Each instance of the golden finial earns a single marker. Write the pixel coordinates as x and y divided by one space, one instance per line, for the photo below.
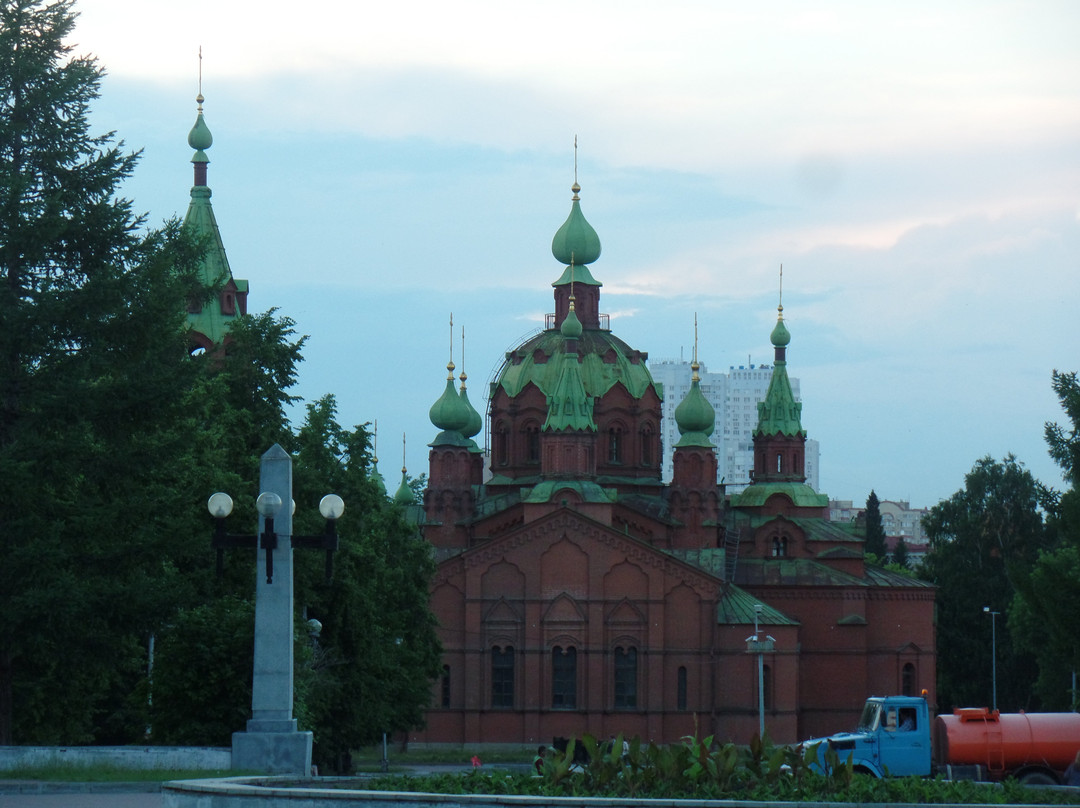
694 366
375 441
571 279
450 364
402 452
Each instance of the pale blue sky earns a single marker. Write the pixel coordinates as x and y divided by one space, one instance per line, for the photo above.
915 169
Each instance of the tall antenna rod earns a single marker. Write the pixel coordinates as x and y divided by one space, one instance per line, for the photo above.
780 308
575 159
402 452
463 375
450 364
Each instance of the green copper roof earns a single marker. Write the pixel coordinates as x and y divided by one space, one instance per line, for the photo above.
695 417
571 327
576 242
597 375
780 413
404 494
214 270
800 494
577 274
450 415
569 406
736 607
475 423
199 138
377 478
586 489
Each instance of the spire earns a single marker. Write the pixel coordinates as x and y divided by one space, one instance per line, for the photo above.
569 406
404 494
376 477
695 416
448 413
475 423
780 413
209 323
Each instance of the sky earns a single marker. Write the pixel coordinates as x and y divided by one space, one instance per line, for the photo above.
914 167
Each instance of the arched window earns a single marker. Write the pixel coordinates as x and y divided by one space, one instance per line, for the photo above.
563 678
680 694
779 462
907 680
532 444
625 678
445 686
779 547
614 445
502 446
502 676
646 438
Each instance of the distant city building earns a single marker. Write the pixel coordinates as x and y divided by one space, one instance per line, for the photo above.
734 397
900 520
843 510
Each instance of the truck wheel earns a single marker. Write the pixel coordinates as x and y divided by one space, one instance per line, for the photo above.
1038 779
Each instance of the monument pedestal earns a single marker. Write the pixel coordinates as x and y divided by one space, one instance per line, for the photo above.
274 747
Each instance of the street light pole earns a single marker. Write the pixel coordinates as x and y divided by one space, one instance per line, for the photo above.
993 650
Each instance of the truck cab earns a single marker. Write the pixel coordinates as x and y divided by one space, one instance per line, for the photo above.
892 738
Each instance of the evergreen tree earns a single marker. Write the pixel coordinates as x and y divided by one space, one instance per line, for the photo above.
900 554
92 364
875 532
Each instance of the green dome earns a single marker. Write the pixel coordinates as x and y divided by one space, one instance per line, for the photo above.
576 242
404 494
571 327
199 138
695 417
539 365
475 423
780 335
449 413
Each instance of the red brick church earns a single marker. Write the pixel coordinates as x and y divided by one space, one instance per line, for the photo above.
577 593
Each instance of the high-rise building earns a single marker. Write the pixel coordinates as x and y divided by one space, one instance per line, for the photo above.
734 397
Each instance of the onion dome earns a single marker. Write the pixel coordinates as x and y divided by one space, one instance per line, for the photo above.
475 423
576 242
780 336
449 414
695 416
571 327
404 494
377 477
199 138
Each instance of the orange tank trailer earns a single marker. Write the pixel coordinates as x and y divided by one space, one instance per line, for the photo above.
1005 743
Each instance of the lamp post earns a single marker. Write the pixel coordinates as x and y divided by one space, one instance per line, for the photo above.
756 645
272 741
993 650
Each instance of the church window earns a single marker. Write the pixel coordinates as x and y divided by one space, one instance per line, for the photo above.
779 462
563 678
779 546
532 444
502 446
907 680
614 445
502 676
625 678
646 447
445 700
680 693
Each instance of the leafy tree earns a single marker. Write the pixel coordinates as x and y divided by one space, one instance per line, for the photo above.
378 651
92 375
981 540
1044 619
875 532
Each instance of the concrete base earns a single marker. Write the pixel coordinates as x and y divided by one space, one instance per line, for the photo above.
272 752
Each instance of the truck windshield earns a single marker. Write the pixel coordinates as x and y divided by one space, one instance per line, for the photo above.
871 714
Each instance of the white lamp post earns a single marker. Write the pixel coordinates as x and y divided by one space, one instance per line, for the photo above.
993 650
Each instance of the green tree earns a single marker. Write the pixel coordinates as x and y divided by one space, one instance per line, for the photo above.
900 554
981 540
1044 618
93 371
378 651
875 532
